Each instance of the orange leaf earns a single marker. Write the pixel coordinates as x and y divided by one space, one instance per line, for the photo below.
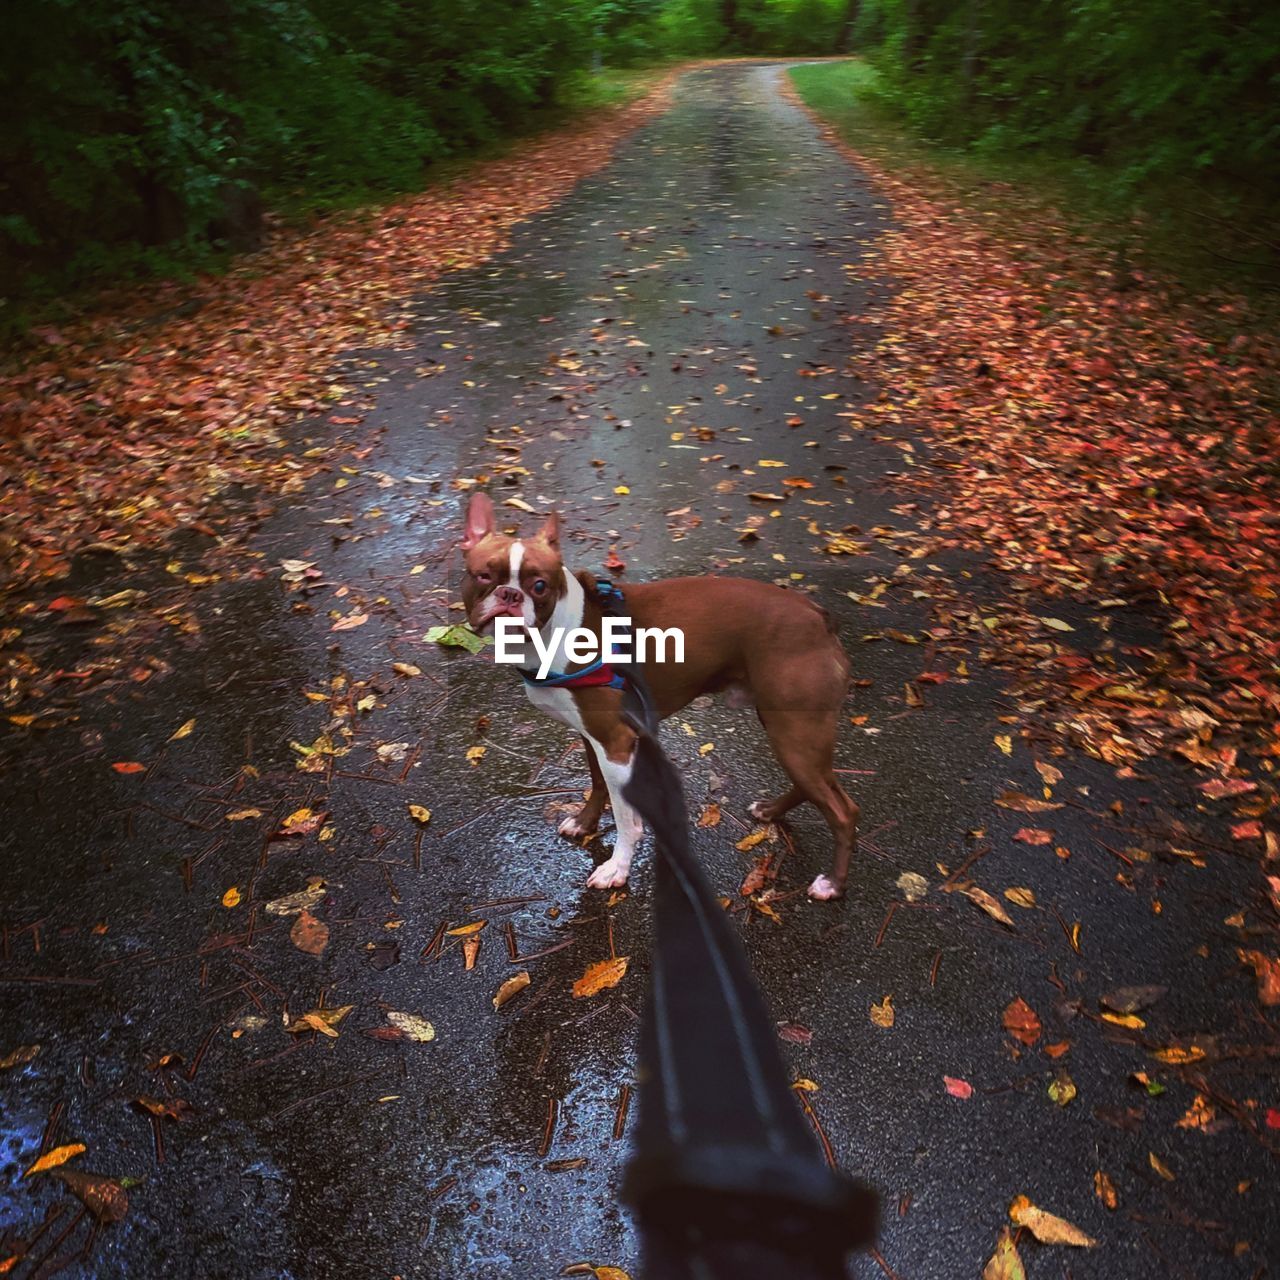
599 976
1021 1021
52 1159
309 934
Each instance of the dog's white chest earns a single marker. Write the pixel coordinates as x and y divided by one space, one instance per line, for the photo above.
556 703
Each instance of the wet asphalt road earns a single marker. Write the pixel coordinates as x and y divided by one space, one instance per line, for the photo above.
655 333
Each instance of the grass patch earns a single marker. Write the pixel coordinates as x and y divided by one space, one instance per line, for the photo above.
1186 233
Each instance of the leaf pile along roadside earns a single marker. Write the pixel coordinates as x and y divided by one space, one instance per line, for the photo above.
1109 443
124 425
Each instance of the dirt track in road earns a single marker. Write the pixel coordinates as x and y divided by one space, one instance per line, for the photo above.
666 342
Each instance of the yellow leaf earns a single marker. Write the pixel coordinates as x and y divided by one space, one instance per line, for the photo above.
412 1026
475 754
52 1159
749 842
882 1013
512 987
1124 1020
1021 897
1062 1089
1160 1167
622 489
601 975
1005 743
463 929
420 813
1057 624
182 732
243 815
1105 1190
770 462
322 1020
609 1273
1004 1264
231 898
1048 1228
706 746
805 1085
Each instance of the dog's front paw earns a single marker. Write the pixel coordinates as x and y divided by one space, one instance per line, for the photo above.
609 875
824 889
761 810
576 826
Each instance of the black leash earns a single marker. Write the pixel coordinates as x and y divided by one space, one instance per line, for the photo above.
726 1178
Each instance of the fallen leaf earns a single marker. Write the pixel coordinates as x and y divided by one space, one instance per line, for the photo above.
1160 1167
1033 835
1021 897
302 822
19 1057
1105 1190
983 899
350 621
464 929
183 731
1021 1022
470 952
1131 999
749 841
129 766
420 813
176 1109
290 904
1062 1089
243 815
1004 1264
958 1088
882 1013
1048 1228
913 886
1024 803
309 934
601 975
105 1198
512 987
475 755
52 1159
456 637
710 816
1177 1056
322 1020
411 1026
1267 971
231 898
794 1033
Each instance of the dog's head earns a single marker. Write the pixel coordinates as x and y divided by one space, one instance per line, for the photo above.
510 577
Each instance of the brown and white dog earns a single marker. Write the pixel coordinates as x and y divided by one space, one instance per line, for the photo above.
740 637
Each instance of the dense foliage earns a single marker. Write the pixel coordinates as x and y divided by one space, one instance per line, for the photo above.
148 133
1164 90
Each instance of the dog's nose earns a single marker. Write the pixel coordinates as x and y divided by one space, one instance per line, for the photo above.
509 595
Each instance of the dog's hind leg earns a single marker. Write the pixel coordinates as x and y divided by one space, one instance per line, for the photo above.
805 748
587 819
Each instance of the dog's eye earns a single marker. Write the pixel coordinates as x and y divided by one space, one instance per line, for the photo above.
483 578
539 586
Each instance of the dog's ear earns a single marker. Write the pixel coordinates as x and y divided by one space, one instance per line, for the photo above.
550 531
479 520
